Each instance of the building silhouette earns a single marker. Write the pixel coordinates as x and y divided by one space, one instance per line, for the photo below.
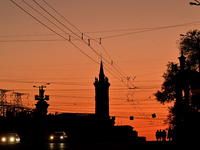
80 127
88 126
102 94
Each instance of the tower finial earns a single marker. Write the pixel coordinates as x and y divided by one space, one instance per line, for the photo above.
182 61
101 73
101 68
102 97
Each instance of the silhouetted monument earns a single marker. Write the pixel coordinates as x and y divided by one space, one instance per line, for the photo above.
42 105
182 100
41 112
102 95
79 127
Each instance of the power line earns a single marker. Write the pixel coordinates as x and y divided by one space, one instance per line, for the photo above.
102 46
38 20
68 21
146 74
65 27
74 32
45 18
112 63
56 33
55 18
151 29
73 43
146 29
122 30
62 16
8 41
64 37
52 30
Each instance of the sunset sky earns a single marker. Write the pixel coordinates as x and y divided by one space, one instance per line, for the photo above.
139 37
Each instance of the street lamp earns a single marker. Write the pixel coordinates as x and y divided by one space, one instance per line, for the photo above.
197 3
41 97
42 86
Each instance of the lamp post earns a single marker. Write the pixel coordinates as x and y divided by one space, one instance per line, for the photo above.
41 111
41 97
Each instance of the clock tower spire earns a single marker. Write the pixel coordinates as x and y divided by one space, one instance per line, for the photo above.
102 94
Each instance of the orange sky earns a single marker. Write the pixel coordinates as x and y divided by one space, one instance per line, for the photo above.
27 59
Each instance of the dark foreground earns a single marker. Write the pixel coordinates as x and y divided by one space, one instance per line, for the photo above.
94 146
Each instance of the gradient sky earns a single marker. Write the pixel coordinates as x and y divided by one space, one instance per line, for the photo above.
139 36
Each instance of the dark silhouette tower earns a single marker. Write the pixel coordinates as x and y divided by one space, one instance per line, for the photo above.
182 100
102 95
41 112
42 105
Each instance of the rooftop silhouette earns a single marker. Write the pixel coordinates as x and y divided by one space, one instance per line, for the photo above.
79 127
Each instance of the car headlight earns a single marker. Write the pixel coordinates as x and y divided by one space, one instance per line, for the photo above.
51 137
17 139
61 137
12 139
3 139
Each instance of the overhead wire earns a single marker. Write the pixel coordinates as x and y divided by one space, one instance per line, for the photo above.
79 31
112 63
8 41
67 20
122 30
78 36
37 20
58 20
62 16
140 112
60 36
52 30
151 29
64 37
66 27
46 18
55 18
146 29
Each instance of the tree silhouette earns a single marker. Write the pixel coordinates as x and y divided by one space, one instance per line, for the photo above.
167 93
190 45
185 114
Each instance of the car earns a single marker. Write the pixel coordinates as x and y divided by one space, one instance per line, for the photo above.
10 138
59 136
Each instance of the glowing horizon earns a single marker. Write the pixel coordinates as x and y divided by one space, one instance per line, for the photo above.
139 36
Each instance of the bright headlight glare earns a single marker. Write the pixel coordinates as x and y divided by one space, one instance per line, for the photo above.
3 139
18 139
61 137
51 137
12 139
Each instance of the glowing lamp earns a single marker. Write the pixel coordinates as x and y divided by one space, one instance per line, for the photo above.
3 139
12 139
18 139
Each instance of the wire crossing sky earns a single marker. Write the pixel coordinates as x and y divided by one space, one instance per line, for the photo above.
100 56
63 43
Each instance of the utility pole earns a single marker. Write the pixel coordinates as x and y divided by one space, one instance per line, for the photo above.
3 101
41 111
42 105
18 99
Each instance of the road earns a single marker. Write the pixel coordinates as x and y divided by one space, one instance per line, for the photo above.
89 146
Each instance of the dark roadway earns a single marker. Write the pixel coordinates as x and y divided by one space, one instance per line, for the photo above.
91 146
